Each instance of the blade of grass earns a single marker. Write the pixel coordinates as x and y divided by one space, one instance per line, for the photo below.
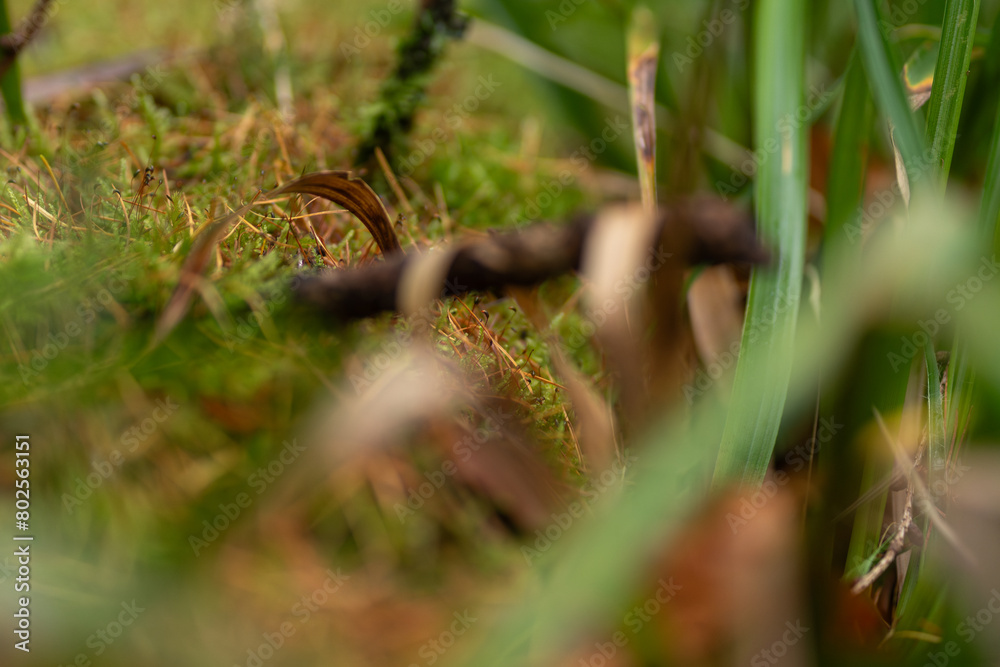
884 76
961 375
764 366
849 160
845 196
571 75
958 34
883 69
989 211
882 389
938 444
10 82
981 96
643 57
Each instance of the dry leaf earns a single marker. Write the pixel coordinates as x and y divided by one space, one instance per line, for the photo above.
340 187
620 256
716 308
737 565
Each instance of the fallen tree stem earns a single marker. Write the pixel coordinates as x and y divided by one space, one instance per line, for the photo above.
696 232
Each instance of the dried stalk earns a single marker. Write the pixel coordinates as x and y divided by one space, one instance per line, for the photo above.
693 232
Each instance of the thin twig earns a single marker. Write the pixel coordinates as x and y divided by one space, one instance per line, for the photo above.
923 495
698 231
895 546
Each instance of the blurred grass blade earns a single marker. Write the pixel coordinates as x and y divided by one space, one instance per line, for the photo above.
845 196
545 63
944 110
915 607
849 160
10 82
340 187
764 366
591 84
937 450
643 57
958 33
989 212
961 375
961 384
912 159
882 68
881 388
945 105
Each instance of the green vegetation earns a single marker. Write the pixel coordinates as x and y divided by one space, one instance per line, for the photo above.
534 477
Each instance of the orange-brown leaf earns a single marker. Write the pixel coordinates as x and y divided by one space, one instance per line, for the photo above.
340 187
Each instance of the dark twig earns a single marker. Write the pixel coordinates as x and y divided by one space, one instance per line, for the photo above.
700 231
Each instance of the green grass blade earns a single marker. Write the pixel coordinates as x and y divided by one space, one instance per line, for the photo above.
883 388
958 34
921 599
845 195
961 376
961 383
884 76
883 71
849 160
10 83
989 212
981 95
764 366
937 450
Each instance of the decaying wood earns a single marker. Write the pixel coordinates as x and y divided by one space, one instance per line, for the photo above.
693 232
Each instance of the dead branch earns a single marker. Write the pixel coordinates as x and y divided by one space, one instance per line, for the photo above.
693 232
895 546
